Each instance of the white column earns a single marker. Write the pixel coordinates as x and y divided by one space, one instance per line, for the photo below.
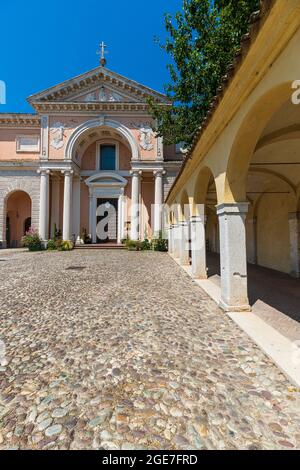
67 218
44 205
123 233
294 227
55 200
198 241
234 281
184 244
94 219
176 240
135 204
121 218
159 199
171 234
76 207
90 212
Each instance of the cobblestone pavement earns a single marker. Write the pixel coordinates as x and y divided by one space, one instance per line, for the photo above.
125 352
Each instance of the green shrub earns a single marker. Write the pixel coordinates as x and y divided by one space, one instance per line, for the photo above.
160 244
32 240
51 245
145 245
131 245
67 245
58 244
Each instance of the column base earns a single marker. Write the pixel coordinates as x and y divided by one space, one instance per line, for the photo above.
3 245
184 263
45 244
200 277
236 308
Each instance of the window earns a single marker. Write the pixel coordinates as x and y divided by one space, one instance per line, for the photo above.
108 157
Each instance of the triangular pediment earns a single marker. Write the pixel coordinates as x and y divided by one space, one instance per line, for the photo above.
103 94
98 86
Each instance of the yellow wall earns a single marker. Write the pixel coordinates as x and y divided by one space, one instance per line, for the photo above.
273 232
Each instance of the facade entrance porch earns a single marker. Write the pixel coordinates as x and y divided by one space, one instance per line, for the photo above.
106 207
91 140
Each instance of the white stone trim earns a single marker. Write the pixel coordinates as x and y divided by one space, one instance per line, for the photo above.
44 137
30 149
110 190
96 123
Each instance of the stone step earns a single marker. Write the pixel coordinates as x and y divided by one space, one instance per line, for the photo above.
103 246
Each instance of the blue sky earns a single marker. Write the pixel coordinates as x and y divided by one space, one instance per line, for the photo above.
45 43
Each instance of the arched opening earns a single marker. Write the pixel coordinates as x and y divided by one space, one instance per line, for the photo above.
18 218
184 206
106 147
264 169
97 130
205 202
247 139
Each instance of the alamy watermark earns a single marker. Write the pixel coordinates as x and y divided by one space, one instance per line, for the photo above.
296 94
2 92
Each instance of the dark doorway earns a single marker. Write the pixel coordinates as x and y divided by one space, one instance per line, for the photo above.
27 225
107 220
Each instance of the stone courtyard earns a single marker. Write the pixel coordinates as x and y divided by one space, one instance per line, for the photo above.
121 350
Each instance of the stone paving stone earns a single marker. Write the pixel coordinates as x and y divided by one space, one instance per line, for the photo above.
129 353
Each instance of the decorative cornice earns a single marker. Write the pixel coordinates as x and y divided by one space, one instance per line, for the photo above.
55 106
19 120
98 76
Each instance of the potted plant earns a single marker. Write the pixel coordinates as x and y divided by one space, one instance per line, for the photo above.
32 240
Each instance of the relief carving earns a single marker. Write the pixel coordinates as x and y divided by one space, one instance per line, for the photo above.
58 134
103 95
146 135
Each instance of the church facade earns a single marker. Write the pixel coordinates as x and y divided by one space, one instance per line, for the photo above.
87 164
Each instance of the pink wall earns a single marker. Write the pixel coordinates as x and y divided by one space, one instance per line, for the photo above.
71 123
88 161
8 144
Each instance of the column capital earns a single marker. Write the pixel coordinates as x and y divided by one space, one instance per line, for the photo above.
44 172
234 208
159 173
194 219
67 172
136 172
183 223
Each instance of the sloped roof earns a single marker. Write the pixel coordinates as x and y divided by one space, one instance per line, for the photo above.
69 90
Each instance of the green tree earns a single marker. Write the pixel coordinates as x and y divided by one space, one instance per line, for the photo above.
202 41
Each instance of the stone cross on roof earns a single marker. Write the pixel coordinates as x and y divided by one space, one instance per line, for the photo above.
102 53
